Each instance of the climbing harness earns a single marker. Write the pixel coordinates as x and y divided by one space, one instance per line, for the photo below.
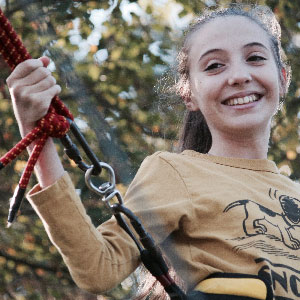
57 123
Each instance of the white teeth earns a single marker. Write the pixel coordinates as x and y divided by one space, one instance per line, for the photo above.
239 101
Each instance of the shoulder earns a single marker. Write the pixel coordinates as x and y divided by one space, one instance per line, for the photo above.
164 167
160 162
185 162
174 168
171 158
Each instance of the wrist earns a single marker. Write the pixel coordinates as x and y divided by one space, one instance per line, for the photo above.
48 168
26 128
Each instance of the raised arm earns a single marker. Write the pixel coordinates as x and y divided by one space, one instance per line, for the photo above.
97 259
32 87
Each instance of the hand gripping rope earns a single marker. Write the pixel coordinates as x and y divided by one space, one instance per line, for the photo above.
54 124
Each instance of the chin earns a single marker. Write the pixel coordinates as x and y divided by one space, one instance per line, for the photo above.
247 129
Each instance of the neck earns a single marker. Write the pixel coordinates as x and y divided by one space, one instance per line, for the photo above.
251 146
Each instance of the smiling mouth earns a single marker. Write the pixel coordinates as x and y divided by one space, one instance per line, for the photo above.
242 100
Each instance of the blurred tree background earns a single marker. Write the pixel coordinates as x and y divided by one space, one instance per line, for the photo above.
110 56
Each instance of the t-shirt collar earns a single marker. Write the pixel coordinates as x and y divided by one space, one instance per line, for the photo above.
242 163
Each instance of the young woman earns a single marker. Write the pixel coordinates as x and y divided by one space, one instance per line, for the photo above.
218 207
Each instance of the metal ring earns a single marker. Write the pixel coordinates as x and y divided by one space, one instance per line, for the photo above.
113 194
110 186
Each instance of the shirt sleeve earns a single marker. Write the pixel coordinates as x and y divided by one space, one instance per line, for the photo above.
99 258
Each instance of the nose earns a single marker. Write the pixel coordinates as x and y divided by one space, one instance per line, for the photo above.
239 75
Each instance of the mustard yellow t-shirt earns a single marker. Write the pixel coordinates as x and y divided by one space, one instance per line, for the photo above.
209 214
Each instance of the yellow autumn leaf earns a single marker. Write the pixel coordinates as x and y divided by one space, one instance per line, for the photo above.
21 269
93 48
9 121
4 106
116 54
52 249
28 246
20 165
11 251
291 155
23 219
94 72
61 43
2 260
8 277
11 264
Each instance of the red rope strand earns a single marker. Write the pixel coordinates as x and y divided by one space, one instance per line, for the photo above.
54 124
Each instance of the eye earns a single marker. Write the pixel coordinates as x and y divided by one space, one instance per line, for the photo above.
256 58
213 66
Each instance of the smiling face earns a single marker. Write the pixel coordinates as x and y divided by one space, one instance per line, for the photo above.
234 79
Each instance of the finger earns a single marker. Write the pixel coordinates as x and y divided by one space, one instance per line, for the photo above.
45 60
35 76
25 68
40 102
42 85
49 93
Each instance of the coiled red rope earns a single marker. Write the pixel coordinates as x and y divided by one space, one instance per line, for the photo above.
54 124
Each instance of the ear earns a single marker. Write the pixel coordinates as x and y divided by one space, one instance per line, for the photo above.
191 103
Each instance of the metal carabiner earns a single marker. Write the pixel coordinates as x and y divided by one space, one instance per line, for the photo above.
114 193
107 190
106 187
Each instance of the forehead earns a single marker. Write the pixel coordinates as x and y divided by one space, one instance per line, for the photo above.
228 32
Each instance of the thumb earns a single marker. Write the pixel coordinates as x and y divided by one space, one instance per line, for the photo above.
45 60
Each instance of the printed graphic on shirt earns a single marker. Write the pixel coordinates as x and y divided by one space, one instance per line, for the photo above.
260 220
285 280
274 230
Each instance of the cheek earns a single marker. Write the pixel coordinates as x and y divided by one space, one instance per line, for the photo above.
270 80
203 87
274 87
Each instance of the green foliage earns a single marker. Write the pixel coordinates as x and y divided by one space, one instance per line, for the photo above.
124 118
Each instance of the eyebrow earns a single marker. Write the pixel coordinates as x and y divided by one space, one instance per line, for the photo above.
255 44
221 50
210 51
